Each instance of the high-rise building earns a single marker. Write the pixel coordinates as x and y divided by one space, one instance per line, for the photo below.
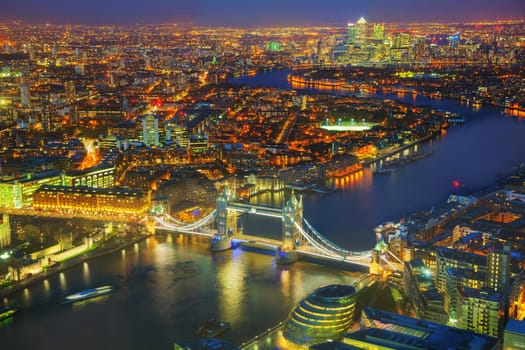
361 31
24 95
458 277
451 258
5 231
150 130
80 69
498 268
379 34
351 33
481 311
420 288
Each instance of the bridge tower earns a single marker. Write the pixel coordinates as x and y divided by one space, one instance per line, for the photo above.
292 222
226 223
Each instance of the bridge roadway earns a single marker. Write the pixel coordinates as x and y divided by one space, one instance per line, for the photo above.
257 241
255 209
240 239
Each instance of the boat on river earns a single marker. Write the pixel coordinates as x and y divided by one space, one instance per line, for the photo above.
7 312
382 171
213 328
88 294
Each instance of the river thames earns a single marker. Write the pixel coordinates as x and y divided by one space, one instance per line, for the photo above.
169 285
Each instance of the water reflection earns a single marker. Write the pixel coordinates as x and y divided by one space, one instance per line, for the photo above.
231 279
26 297
285 282
47 289
81 305
63 283
349 182
173 289
85 274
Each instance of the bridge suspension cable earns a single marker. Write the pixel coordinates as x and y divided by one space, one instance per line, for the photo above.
328 248
325 241
179 225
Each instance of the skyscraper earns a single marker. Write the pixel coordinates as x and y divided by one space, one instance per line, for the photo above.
498 268
360 31
379 34
351 33
24 95
150 130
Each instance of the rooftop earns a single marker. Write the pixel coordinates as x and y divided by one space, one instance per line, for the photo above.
401 332
515 326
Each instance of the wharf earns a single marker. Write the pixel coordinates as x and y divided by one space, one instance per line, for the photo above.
68 264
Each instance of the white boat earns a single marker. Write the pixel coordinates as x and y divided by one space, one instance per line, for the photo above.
88 293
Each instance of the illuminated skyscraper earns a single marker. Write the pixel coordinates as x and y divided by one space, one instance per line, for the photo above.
351 33
379 34
360 31
498 268
150 130
453 40
24 95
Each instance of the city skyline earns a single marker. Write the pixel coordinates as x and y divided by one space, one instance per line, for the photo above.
270 13
246 176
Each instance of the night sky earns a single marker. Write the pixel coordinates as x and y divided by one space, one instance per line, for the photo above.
256 12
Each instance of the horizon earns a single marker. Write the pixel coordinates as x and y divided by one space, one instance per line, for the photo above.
486 21
272 13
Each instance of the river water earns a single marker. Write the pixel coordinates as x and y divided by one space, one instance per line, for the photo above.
169 285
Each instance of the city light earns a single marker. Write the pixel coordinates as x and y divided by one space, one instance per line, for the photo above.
222 178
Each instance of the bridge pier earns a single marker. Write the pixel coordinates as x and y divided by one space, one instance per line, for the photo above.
286 257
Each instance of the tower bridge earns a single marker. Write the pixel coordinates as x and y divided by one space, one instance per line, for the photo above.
298 236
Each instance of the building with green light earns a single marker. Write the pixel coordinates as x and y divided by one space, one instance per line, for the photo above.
18 193
5 231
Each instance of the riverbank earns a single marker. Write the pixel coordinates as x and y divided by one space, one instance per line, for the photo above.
397 150
104 249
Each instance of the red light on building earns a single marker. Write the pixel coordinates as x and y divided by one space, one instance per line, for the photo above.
157 102
456 183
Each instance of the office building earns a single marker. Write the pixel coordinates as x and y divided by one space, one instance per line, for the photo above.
5 231
498 268
452 258
118 203
325 314
456 277
351 33
24 96
481 311
381 330
150 130
419 286
18 193
378 37
100 176
361 32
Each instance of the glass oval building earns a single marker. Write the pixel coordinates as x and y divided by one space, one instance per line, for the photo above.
326 314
